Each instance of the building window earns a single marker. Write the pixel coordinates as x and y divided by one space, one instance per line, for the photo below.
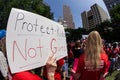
91 17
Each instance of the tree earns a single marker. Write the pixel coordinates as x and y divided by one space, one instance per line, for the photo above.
35 6
115 16
74 34
105 29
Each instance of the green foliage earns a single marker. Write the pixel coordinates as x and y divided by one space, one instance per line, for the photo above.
74 34
105 30
35 6
115 13
115 16
112 76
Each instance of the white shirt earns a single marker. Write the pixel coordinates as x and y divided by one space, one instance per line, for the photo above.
3 65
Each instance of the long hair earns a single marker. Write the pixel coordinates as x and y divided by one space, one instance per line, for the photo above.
93 49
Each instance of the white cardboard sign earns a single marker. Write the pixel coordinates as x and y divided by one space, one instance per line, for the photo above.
31 39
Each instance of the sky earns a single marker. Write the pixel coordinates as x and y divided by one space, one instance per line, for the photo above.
76 7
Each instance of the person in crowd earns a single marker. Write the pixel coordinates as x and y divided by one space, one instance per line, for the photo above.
108 49
51 66
4 69
118 60
27 75
77 51
93 63
70 54
114 58
3 66
119 47
65 69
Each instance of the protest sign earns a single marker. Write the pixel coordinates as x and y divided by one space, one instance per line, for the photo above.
84 36
30 40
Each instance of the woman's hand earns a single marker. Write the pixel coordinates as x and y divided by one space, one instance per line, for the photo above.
51 66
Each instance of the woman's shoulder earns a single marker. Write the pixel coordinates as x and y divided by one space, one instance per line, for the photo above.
104 56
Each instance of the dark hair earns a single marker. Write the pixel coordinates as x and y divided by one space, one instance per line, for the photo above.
114 45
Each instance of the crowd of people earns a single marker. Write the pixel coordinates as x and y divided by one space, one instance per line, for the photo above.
91 58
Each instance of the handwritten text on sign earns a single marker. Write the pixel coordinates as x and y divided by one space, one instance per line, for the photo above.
30 40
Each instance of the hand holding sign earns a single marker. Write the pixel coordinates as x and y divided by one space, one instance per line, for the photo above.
34 37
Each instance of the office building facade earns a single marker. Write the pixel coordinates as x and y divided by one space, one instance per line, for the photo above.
110 3
67 17
93 17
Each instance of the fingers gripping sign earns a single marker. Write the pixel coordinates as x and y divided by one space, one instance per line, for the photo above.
51 63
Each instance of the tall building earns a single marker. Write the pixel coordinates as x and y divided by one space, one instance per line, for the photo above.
85 20
93 17
67 17
110 3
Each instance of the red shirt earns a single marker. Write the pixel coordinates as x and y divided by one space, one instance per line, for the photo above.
114 52
25 75
87 73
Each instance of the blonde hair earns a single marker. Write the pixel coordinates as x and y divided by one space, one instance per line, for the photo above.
93 49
